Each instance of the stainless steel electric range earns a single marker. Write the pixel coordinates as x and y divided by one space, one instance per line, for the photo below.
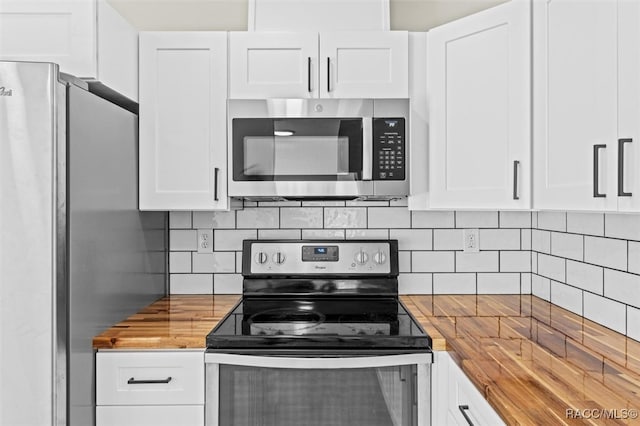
319 338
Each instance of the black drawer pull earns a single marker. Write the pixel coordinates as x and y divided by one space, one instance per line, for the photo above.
463 409
133 381
621 192
596 170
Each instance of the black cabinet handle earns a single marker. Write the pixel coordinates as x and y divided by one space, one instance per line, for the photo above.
596 170
309 74
463 409
133 381
516 165
621 192
215 184
328 74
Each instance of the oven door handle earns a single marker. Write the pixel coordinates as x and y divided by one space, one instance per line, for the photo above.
318 363
367 148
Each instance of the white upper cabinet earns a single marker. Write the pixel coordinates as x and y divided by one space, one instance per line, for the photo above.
586 105
183 92
479 106
88 39
372 64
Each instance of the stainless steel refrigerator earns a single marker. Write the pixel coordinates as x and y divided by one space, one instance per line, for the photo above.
76 255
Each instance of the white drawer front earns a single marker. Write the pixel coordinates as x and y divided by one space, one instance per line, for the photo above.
166 415
176 378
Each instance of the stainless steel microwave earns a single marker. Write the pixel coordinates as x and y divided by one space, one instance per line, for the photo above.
323 148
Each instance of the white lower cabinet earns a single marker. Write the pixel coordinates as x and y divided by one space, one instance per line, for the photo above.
150 388
455 396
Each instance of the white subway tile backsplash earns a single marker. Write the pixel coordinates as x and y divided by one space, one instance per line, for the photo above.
215 220
183 240
585 223
415 284
239 262
633 322
606 252
499 239
541 287
585 276
404 261
484 261
454 283
466 219
213 262
534 262
525 239
279 234
634 257
552 221
515 261
432 219
448 239
301 217
495 283
551 267
231 239
389 217
412 239
346 217
541 241
180 261
179 220
227 284
567 245
367 234
622 286
525 283
253 217
426 261
509 219
605 311
191 284
323 234
625 226
567 297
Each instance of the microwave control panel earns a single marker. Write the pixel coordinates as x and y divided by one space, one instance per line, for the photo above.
388 149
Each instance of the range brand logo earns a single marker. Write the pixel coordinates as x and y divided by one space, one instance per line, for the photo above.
6 92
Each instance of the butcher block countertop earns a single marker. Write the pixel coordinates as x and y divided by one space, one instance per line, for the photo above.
531 360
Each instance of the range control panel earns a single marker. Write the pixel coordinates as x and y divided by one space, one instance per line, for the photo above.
322 257
388 149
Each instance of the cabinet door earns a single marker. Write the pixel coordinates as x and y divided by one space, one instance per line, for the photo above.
165 415
371 64
62 32
478 82
629 105
273 65
575 104
183 90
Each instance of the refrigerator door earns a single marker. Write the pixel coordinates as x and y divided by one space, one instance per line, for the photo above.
27 241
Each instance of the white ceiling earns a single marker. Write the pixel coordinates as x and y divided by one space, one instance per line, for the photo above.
231 15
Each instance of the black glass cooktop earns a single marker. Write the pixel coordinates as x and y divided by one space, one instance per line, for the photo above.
380 323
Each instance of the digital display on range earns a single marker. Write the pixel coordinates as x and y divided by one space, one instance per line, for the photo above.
320 253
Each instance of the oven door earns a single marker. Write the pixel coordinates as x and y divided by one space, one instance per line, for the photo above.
389 390
292 148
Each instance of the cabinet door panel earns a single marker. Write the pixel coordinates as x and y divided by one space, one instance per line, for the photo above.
273 65
575 103
364 65
478 82
183 121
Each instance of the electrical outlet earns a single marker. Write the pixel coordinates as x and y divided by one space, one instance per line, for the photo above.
471 240
205 240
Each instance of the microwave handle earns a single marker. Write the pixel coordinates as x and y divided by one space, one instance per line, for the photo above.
367 148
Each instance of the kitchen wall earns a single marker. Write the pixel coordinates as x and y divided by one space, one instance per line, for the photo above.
589 263
430 243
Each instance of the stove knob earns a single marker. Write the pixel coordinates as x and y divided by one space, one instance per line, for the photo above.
361 257
380 257
279 258
261 258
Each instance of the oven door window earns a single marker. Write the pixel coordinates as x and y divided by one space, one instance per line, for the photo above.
297 149
379 396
